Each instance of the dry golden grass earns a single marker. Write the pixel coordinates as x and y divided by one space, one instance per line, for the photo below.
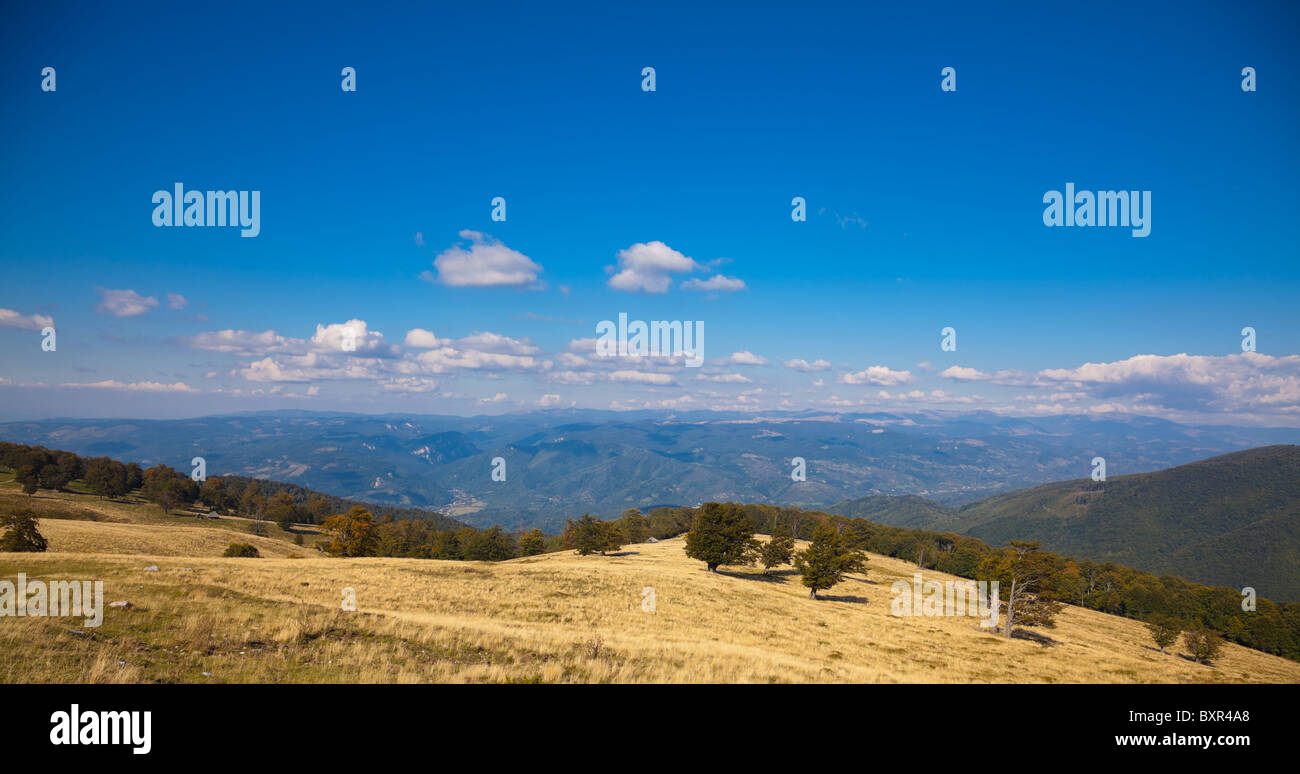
552 618
82 537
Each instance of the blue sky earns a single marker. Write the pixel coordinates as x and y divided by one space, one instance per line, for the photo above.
924 207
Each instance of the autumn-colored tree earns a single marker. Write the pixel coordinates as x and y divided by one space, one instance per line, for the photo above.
532 542
1022 573
351 534
721 534
778 550
828 559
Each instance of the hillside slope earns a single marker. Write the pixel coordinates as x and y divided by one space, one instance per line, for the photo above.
1232 520
551 618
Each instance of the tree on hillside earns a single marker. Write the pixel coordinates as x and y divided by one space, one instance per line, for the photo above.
778 550
106 477
532 543
20 532
214 495
1022 573
280 509
351 534
1164 630
721 534
163 486
828 559
590 535
636 526
251 503
134 476
28 479
1203 643
490 545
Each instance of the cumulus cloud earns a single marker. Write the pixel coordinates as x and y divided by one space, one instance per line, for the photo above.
744 357
880 375
176 301
352 338
964 374
1225 384
485 262
799 364
123 303
419 338
29 322
648 266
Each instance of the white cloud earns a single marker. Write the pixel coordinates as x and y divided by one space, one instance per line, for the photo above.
640 377
124 303
726 378
30 322
113 384
176 301
964 374
880 375
647 267
744 357
419 338
716 283
799 364
485 263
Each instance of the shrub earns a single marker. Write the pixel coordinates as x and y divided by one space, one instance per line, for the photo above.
242 550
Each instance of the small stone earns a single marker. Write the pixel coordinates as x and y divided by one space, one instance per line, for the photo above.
122 604
151 568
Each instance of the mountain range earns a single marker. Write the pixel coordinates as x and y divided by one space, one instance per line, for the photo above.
562 463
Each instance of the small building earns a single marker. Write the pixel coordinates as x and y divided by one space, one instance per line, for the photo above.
210 515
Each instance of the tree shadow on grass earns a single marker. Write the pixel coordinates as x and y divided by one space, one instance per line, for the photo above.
850 598
775 577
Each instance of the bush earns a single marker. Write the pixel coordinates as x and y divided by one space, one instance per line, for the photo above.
242 550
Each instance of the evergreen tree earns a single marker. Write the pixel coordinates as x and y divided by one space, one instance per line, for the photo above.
20 533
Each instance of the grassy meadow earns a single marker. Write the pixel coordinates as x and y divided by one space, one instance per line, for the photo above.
550 618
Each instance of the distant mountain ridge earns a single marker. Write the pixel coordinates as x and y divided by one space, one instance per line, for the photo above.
562 463
1231 520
